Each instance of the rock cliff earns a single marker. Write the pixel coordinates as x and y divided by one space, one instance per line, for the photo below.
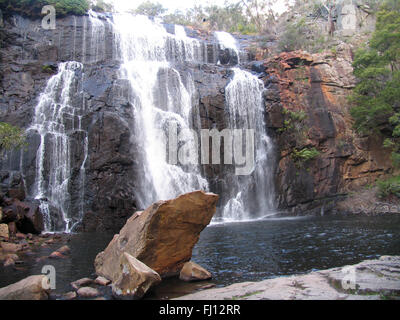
307 107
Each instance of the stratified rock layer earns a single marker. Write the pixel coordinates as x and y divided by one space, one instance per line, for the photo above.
162 236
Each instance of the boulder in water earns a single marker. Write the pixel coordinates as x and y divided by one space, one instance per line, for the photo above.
135 279
193 272
162 236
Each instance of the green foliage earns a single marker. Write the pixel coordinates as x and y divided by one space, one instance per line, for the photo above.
33 8
152 9
102 6
293 120
229 18
304 155
10 138
376 98
389 187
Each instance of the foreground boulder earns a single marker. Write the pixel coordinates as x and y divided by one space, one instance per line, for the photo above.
193 272
162 236
135 279
31 288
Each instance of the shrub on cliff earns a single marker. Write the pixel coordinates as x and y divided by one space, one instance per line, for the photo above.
10 138
376 97
389 187
33 8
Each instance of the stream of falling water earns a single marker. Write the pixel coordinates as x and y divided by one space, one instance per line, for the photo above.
251 196
57 119
162 98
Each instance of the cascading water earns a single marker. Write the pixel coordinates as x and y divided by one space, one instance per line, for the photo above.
164 100
227 41
58 122
161 101
250 196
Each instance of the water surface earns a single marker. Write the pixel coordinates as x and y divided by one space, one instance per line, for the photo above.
246 251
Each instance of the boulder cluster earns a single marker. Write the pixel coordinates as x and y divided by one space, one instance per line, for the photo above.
157 243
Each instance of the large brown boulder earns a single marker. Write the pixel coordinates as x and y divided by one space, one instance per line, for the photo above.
31 288
162 236
135 279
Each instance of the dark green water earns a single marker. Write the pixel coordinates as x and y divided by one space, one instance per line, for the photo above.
246 251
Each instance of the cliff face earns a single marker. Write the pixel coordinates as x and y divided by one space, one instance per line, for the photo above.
30 56
299 82
318 86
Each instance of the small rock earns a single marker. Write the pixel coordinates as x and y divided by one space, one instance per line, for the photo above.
64 250
4 232
81 282
70 295
88 292
11 247
193 272
57 255
102 281
20 235
9 262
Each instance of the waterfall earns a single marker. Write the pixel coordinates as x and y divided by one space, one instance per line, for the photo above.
227 41
161 99
163 103
57 120
250 196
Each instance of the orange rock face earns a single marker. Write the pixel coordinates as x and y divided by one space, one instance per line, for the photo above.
162 236
319 85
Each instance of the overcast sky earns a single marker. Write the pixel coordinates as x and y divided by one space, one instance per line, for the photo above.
172 5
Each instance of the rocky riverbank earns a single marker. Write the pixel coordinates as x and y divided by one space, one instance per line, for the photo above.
369 280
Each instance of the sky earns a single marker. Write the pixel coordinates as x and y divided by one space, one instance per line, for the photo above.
172 5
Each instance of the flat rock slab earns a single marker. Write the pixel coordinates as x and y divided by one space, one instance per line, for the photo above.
368 280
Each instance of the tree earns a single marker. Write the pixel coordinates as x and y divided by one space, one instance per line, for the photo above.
10 138
260 12
152 9
376 98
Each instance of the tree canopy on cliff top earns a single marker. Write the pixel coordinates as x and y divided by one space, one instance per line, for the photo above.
376 97
33 8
